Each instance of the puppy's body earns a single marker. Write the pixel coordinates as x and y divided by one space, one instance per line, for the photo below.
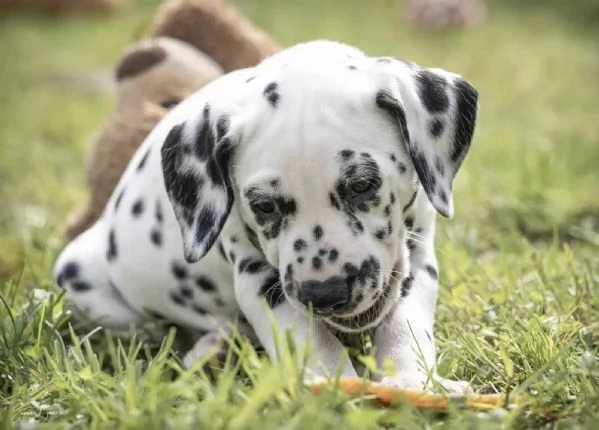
310 180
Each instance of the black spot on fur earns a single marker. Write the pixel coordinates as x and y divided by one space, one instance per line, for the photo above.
346 154
137 208
431 271
275 183
299 245
70 271
143 160
443 196
317 232
411 244
316 263
256 266
271 93
351 67
392 157
402 168
392 198
250 79
380 233
232 257
467 98
300 260
156 237
432 90
436 127
119 198
387 210
199 310
322 252
186 292
178 270
409 222
177 299
439 166
80 286
333 255
205 138
205 284
158 212
112 251
271 290
334 202
389 227
406 284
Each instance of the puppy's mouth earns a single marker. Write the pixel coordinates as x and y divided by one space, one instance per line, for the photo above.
371 317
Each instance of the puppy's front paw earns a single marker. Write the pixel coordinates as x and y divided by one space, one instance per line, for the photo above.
419 382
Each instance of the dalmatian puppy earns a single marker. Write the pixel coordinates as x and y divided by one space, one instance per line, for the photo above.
308 183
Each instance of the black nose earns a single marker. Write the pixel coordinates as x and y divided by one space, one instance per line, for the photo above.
326 296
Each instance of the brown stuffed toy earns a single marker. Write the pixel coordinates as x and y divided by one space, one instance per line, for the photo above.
152 76
216 28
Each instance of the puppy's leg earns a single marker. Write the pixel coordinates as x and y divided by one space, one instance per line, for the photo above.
406 335
255 281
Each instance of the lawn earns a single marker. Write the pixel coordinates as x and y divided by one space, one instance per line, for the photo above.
518 311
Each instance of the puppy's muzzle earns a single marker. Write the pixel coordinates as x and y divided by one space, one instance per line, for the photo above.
326 297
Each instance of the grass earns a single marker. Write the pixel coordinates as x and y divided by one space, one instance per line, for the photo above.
518 311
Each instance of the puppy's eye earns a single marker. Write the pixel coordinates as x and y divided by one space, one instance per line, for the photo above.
360 186
266 207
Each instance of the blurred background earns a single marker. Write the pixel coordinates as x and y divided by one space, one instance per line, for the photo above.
532 173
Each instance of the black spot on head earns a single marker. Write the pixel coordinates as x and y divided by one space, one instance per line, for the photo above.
275 183
365 155
271 93
411 244
392 198
142 162
402 168
234 239
299 245
219 302
322 252
384 60
439 166
186 292
112 251
387 210
346 154
389 227
80 286
177 299
119 198
316 263
333 255
205 284
432 90
178 270
221 250
380 233
431 271
158 212
334 202
199 310
256 266
351 269
300 260
317 232
156 237
406 284
392 157
250 79
70 271
232 257
409 222
137 208
436 127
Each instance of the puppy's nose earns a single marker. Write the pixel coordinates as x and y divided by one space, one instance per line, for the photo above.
326 296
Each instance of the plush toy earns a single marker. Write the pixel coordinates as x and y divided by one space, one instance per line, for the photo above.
65 6
216 28
151 77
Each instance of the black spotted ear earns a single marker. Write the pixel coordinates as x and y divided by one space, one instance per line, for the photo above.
195 166
436 111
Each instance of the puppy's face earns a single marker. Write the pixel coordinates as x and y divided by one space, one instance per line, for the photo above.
322 158
323 185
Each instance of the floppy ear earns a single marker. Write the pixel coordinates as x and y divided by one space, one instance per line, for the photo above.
436 111
195 167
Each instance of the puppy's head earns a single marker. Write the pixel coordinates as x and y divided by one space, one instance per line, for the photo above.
322 159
